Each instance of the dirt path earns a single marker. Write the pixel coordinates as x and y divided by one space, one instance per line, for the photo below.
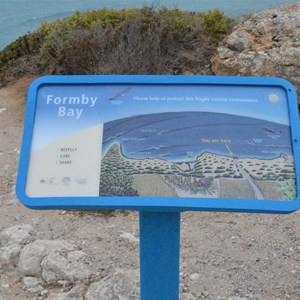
257 193
223 255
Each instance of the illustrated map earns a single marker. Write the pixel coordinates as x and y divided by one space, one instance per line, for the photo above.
162 140
197 154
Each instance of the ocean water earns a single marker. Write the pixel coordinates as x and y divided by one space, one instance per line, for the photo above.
17 17
180 135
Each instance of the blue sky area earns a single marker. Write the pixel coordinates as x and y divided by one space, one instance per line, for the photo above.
120 101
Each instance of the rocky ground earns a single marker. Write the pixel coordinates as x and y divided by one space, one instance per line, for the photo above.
73 255
266 44
95 255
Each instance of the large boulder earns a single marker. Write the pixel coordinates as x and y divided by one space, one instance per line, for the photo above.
121 285
52 262
32 255
70 267
267 44
9 257
15 235
10 240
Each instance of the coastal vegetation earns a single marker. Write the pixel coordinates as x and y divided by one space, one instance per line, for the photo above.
289 188
192 184
132 41
263 170
116 183
209 175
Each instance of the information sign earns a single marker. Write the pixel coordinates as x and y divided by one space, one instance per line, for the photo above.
166 143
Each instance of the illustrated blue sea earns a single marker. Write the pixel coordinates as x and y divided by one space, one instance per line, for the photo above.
185 135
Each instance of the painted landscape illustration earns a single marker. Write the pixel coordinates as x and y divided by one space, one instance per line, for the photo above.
197 154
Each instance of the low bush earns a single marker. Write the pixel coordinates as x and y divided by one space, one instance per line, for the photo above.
133 41
217 24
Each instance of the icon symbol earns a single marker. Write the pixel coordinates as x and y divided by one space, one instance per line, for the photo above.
53 180
66 180
273 98
43 181
81 180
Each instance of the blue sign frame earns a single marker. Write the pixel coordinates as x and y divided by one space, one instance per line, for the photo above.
160 204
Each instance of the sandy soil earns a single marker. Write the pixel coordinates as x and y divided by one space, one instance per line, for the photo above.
223 255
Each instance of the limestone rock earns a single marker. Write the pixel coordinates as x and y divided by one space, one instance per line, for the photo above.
32 255
238 41
32 284
268 44
122 285
225 52
9 257
15 234
77 293
70 267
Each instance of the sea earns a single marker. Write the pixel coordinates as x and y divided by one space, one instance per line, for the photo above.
18 17
180 135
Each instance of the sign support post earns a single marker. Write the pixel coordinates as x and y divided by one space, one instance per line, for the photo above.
159 255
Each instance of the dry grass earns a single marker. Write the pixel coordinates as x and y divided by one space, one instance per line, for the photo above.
153 185
270 190
236 189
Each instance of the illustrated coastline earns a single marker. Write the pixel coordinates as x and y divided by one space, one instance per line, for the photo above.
179 135
208 176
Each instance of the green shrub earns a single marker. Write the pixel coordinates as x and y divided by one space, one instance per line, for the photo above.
116 184
146 43
227 175
217 24
139 41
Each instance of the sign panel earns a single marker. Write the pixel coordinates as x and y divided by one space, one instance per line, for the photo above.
161 143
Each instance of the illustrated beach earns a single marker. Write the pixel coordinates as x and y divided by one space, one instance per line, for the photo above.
181 165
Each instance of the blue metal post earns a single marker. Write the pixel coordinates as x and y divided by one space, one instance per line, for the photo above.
159 255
